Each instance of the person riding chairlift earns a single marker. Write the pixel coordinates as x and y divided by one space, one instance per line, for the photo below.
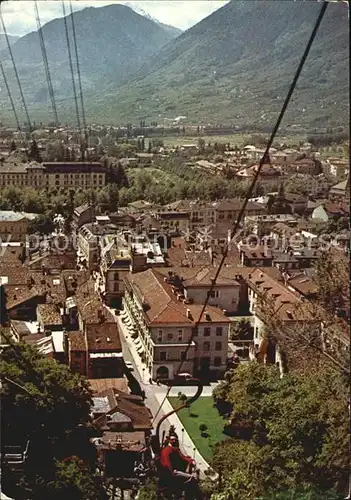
179 467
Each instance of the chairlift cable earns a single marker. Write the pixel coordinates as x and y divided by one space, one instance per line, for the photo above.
252 186
46 64
79 75
10 96
15 70
71 67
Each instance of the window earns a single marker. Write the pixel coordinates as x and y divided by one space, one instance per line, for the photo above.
163 356
218 346
183 356
180 334
169 336
214 294
206 346
217 361
116 276
116 287
207 332
221 216
219 331
159 336
194 332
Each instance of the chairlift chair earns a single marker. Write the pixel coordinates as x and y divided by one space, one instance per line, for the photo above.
168 486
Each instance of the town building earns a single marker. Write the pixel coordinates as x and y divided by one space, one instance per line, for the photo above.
67 175
124 425
14 225
83 215
262 225
340 191
96 352
268 297
269 176
329 210
164 320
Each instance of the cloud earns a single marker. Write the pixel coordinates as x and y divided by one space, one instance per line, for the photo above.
19 15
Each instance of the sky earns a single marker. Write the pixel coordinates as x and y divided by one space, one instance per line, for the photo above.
19 16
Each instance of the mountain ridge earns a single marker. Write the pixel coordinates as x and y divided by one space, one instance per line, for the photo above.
235 66
112 42
238 63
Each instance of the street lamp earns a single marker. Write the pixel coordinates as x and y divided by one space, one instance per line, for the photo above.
194 451
143 374
182 436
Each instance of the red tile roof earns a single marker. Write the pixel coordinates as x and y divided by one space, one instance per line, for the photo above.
161 305
103 337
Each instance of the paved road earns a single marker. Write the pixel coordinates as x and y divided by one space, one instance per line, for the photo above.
155 394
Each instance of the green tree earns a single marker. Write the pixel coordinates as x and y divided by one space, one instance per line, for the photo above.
201 144
242 329
182 398
47 404
112 198
32 201
149 491
11 198
34 153
286 432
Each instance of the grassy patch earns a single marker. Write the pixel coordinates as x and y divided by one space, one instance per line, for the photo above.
179 140
206 414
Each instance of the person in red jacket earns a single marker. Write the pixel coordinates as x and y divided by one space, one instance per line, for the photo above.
179 466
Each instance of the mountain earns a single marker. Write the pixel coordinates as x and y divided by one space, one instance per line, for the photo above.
236 66
113 42
174 31
3 43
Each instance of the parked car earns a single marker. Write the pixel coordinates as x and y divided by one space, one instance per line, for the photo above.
180 379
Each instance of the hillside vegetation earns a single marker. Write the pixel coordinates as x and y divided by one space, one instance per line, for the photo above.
113 42
235 66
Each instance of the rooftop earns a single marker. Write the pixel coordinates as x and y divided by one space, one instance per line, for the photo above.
76 341
49 314
103 337
11 216
161 305
286 304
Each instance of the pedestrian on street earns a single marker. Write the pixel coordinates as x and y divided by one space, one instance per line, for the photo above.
150 381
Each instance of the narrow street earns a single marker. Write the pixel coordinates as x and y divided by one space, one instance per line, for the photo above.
155 395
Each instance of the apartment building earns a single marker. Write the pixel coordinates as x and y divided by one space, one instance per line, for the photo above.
228 210
262 225
225 294
269 176
165 323
96 352
14 225
268 296
202 214
74 175
49 175
17 173
174 220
